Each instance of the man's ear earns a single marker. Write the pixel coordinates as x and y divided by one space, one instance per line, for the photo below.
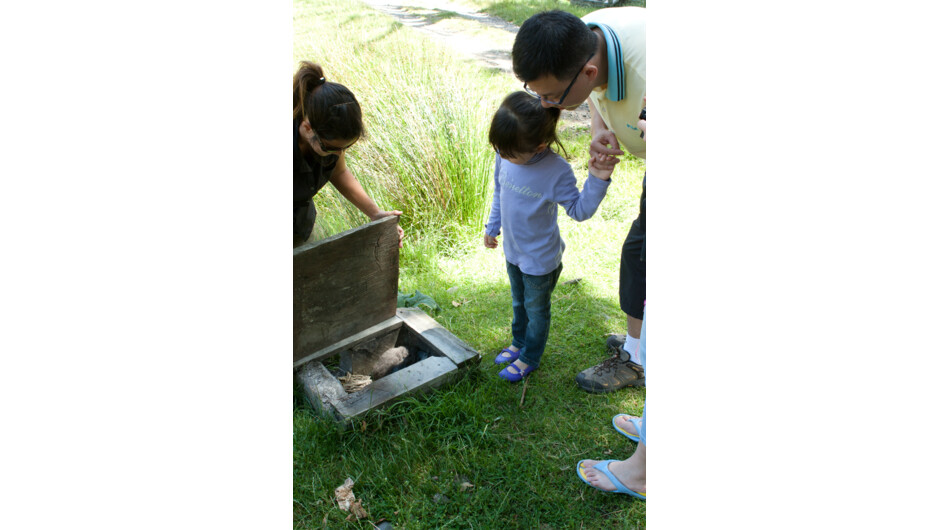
541 147
591 72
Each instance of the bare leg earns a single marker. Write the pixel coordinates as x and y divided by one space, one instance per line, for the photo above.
634 326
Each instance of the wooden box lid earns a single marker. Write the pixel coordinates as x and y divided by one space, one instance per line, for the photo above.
344 284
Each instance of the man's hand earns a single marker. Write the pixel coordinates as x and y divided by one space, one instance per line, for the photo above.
489 241
604 151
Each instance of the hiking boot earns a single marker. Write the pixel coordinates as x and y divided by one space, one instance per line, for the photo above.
612 374
615 347
615 344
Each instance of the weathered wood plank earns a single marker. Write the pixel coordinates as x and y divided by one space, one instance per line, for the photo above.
321 388
442 340
386 326
344 284
429 373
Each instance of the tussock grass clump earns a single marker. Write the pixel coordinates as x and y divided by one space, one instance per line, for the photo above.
426 112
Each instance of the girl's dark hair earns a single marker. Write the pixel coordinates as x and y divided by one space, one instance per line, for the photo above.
521 124
331 108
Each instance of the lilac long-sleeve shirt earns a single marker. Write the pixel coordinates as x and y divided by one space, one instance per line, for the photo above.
525 206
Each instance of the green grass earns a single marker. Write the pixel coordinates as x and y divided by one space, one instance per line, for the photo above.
520 458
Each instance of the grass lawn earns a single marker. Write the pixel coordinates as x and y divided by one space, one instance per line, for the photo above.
412 460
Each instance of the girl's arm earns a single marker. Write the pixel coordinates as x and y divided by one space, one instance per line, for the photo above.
599 170
495 222
580 205
347 184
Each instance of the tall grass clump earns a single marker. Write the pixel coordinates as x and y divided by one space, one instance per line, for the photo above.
426 111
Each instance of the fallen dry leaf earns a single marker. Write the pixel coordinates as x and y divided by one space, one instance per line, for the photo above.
356 511
464 486
344 495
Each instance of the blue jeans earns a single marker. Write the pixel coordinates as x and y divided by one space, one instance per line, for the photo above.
531 311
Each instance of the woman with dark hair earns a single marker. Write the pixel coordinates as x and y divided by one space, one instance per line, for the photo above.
327 121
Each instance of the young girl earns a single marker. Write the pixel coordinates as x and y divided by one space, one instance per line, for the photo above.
531 180
327 122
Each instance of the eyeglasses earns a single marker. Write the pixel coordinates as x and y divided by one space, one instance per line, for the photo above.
564 94
329 148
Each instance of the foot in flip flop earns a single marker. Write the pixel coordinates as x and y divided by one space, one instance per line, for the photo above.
508 355
628 426
613 476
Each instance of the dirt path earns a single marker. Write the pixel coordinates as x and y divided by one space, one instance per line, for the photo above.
464 28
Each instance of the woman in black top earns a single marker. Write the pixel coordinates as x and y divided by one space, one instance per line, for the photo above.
327 121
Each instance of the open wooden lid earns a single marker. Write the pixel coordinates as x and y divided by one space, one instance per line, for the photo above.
344 284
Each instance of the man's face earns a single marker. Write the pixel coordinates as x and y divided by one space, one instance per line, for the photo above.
565 94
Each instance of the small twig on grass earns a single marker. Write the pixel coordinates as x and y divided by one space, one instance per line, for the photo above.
524 386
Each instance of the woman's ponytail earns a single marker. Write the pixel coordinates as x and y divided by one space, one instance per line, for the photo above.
331 108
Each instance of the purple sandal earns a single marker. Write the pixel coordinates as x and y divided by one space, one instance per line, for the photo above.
507 356
515 377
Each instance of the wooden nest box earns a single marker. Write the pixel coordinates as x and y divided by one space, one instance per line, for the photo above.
346 321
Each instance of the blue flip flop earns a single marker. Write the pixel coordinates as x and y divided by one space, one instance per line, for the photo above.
634 421
602 467
515 377
507 356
